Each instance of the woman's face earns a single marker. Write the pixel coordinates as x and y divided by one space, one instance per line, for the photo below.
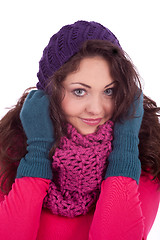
88 100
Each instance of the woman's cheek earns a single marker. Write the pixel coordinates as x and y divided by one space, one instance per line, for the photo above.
110 107
70 107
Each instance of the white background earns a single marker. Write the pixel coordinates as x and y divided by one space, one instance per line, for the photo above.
26 26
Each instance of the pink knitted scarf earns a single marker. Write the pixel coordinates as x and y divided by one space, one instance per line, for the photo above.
79 166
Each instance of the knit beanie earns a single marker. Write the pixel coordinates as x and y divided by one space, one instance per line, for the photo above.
66 43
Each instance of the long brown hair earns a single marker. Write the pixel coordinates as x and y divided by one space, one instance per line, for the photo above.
13 139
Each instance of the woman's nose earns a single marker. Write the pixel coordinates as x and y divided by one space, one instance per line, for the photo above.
94 106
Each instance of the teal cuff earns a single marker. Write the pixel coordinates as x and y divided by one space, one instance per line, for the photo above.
124 159
119 166
36 162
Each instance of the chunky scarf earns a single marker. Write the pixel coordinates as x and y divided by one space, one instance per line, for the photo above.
79 166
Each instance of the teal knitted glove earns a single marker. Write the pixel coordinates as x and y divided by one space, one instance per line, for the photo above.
38 128
123 160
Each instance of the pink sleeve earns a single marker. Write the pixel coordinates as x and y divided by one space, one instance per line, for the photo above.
20 211
150 198
118 213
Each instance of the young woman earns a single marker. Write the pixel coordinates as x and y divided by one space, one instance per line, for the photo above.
80 156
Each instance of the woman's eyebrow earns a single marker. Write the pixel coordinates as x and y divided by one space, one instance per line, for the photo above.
83 84
109 84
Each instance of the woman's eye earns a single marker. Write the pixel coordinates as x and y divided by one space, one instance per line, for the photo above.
79 92
109 92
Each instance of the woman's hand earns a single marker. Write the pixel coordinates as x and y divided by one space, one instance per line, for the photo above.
124 161
35 117
38 127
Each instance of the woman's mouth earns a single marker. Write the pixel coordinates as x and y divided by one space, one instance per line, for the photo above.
91 122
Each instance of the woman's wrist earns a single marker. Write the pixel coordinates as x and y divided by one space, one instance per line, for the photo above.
36 162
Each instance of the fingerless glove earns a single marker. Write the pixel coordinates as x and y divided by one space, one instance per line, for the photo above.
124 159
38 128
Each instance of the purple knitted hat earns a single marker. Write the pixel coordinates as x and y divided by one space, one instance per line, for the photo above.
67 42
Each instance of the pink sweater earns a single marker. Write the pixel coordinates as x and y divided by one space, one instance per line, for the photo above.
124 210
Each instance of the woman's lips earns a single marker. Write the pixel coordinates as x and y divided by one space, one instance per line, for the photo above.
91 121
